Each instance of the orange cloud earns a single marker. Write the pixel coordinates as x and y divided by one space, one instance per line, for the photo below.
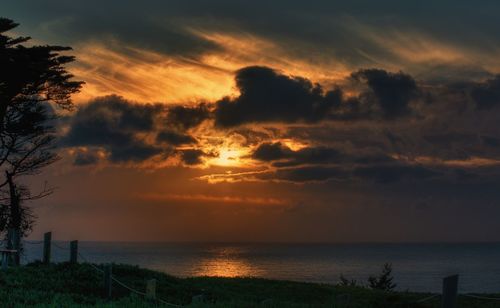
210 198
472 162
147 76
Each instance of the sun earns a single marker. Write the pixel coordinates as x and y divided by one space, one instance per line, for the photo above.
230 157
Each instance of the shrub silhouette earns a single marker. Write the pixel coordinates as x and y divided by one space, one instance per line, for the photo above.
346 282
384 280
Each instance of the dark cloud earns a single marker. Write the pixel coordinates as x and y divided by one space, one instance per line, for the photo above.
86 158
272 151
491 141
449 138
313 155
135 152
383 173
487 94
268 96
123 128
308 174
183 117
192 156
174 138
452 144
394 172
110 120
322 163
282 156
374 159
391 92
114 123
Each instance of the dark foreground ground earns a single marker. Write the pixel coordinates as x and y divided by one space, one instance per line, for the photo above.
66 285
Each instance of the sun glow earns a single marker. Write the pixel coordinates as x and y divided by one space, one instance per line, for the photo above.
229 157
294 145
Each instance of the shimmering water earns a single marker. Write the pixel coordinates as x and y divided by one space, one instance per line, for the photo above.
418 267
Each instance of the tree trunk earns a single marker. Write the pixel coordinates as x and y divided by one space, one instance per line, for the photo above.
15 218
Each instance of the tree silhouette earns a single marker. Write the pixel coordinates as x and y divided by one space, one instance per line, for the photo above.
384 280
27 146
32 80
35 73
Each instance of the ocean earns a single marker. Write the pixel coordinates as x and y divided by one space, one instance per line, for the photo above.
416 267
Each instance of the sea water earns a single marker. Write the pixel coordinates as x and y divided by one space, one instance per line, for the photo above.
416 267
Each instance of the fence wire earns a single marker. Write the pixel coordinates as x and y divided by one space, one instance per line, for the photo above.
115 279
33 242
60 247
482 297
428 298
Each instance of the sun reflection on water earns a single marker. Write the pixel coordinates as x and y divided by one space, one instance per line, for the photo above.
226 262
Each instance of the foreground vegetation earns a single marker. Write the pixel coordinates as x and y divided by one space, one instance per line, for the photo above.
81 285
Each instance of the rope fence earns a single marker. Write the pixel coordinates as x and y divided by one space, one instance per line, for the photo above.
91 264
425 299
33 242
111 277
482 297
60 247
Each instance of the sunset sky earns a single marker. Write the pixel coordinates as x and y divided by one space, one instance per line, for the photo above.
319 121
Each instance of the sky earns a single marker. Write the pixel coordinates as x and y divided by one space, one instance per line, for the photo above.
274 121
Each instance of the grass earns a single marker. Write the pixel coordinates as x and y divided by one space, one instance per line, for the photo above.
80 285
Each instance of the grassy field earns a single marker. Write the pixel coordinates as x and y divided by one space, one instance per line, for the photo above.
66 285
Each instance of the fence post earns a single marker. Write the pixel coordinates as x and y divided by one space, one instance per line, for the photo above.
107 280
16 240
450 288
13 241
73 254
47 238
151 289
5 261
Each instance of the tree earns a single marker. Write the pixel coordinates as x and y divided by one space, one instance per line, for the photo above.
32 80
16 218
27 146
384 280
32 73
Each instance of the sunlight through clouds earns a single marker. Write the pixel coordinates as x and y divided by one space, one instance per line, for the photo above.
147 76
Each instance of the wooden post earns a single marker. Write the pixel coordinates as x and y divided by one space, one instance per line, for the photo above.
47 238
151 289
450 288
5 261
108 280
73 253
10 245
16 240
